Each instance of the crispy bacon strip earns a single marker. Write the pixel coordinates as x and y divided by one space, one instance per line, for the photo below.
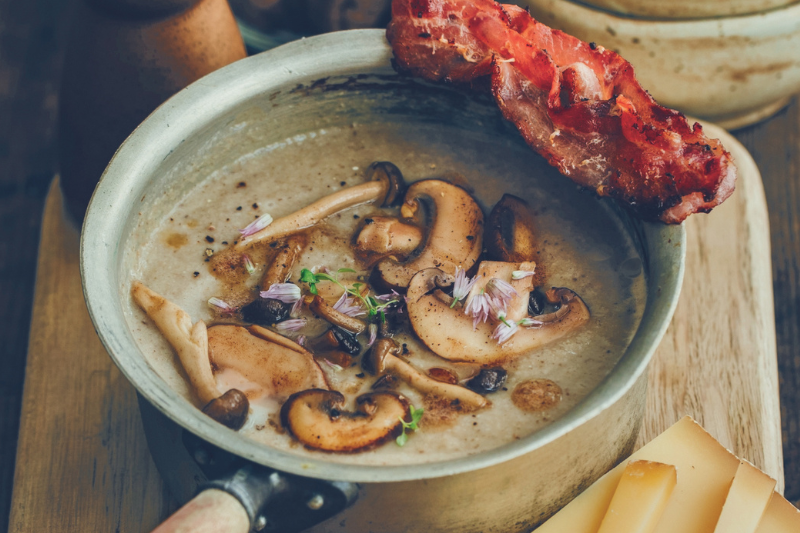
575 103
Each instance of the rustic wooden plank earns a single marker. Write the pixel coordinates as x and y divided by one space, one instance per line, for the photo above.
82 460
718 359
775 146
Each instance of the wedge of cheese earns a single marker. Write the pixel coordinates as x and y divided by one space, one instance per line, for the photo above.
747 500
640 498
705 472
780 517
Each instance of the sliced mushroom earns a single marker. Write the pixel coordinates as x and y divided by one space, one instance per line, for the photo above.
387 236
278 271
489 270
510 235
189 341
385 183
317 419
450 334
279 368
383 358
230 409
454 239
323 309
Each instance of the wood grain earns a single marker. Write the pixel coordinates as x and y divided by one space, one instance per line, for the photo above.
82 462
717 361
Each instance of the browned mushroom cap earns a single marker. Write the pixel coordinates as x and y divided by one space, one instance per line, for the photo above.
317 419
189 341
450 334
230 409
278 370
382 187
387 172
382 357
387 236
454 239
323 309
509 234
281 266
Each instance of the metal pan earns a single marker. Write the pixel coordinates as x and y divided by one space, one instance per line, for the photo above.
512 488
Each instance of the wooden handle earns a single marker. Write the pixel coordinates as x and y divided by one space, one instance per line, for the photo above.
211 511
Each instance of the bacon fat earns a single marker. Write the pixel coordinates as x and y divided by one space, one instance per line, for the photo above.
575 103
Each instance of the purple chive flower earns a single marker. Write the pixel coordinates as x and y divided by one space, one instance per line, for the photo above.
373 334
462 285
501 290
221 305
394 295
481 307
529 322
522 274
333 365
294 324
257 225
248 264
504 331
296 308
301 340
288 293
348 306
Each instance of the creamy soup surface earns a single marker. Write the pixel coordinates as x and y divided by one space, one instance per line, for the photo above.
581 247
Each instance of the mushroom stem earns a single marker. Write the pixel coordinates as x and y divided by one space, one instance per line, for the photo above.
189 341
278 271
383 358
320 307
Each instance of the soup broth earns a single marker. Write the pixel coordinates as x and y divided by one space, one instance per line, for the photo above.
581 246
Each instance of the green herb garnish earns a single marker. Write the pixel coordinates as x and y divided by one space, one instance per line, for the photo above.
416 416
374 307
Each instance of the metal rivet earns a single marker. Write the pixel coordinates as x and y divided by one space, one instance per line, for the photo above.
316 502
261 523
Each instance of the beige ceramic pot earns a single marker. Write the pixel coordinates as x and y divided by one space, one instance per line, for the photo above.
734 71
326 82
688 9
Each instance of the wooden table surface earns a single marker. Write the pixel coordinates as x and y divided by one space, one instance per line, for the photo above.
32 37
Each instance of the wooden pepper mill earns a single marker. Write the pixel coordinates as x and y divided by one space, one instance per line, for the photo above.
125 58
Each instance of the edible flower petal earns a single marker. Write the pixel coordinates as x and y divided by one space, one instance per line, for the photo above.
288 293
248 264
373 334
530 322
257 225
522 274
501 290
296 308
462 285
504 331
221 305
348 306
294 324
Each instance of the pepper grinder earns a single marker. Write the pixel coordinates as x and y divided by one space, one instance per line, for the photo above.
125 58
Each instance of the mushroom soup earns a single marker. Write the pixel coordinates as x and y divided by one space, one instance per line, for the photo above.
441 327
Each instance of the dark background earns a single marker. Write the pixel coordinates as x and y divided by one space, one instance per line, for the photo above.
32 39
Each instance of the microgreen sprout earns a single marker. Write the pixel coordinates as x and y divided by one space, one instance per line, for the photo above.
416 416
376 309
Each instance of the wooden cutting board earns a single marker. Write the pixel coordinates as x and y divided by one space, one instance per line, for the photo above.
82 460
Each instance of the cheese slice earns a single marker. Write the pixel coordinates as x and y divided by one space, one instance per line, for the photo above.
640 498
705 468
748 497
780 517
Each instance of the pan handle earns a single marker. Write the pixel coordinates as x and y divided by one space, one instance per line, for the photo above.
211 511
260 499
